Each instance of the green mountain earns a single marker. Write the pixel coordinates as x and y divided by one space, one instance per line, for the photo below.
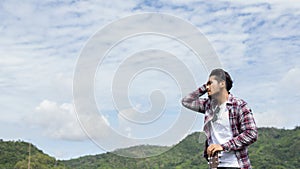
11 152
15 155
141 151
275 148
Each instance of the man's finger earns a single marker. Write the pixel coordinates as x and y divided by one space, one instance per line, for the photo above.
213 152
210 151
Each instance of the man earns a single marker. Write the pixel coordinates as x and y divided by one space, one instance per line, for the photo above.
228 121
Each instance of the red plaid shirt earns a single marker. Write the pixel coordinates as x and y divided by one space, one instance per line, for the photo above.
241 120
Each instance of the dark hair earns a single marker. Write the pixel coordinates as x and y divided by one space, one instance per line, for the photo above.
222 75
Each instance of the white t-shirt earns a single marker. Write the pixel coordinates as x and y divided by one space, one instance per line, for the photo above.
220 134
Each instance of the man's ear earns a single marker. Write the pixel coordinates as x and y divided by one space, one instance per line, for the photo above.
223 84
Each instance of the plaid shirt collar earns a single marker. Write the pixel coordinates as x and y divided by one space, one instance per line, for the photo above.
209 112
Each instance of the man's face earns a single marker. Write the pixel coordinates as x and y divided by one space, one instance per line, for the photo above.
213 87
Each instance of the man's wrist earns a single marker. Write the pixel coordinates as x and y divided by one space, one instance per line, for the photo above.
202 89
225 147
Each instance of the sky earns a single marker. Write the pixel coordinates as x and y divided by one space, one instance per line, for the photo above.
45 87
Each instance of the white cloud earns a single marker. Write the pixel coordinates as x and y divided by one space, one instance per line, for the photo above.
275 102
59 121
272 118
289 84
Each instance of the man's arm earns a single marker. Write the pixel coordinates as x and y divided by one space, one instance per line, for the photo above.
193 102
248 130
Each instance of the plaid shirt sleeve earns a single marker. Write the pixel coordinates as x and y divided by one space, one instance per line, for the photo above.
193 102
247 130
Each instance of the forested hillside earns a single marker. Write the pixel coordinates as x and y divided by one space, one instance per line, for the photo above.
275 148
15 155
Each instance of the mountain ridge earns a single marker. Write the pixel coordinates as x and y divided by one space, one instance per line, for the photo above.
275 148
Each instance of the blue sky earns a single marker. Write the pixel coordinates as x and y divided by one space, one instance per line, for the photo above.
257 42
